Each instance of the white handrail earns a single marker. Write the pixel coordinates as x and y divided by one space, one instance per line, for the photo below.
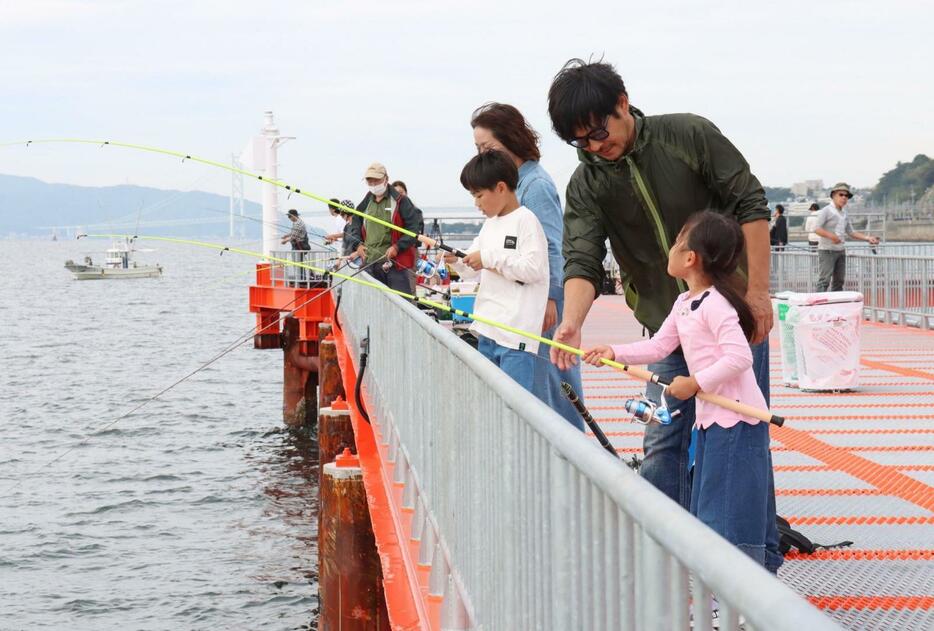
535 526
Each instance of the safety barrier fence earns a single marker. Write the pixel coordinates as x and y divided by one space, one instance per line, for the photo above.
896 289
526 522
284 274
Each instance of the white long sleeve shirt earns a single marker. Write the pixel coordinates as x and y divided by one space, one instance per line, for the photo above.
514 278
810 225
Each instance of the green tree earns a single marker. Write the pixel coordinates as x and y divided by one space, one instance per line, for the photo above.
777 194
906 180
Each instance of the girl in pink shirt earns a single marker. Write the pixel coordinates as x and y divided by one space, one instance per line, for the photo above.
712 324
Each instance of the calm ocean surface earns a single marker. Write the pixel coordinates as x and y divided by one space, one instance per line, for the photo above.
196 512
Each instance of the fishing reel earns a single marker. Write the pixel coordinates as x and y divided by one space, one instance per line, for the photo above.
644 411
352 261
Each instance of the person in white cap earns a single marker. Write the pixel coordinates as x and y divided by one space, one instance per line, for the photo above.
390 253
832 228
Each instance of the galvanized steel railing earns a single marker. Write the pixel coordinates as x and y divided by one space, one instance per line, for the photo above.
283 274
896 289
527 523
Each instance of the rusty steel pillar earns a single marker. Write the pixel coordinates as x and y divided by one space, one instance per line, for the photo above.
299 378
335 431
350 585
330 381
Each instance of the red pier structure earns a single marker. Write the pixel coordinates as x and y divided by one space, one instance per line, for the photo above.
307 301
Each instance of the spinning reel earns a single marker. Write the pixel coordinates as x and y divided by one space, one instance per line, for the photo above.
644 411
352 261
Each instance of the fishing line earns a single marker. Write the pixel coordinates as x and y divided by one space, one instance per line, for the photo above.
236 344
638 373
158 204
279 183
249 218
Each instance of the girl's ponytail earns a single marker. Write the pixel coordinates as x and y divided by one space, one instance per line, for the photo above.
718 241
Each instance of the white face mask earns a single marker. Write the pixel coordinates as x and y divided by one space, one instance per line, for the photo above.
379 189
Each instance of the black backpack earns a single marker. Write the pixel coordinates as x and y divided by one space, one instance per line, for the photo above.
789 538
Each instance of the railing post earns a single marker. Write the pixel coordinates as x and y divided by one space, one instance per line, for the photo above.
438 579
453 614
427 545
656 614
627 572
701 610
561 544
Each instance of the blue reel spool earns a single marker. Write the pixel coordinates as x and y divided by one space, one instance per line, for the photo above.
646 412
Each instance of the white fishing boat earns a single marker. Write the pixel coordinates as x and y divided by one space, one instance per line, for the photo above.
118 263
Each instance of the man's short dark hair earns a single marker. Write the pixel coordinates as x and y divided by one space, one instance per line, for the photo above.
583 94
332 206
780 209
293 212
485 170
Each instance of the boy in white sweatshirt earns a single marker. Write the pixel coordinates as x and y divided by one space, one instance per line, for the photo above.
510 255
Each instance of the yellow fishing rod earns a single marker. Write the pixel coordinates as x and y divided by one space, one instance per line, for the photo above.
639 373
426 240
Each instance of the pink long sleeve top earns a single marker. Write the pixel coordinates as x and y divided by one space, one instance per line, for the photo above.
716 351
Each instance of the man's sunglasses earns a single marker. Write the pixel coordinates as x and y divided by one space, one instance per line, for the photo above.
598 134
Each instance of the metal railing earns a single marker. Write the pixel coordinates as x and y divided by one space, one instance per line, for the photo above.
284 275
527 522
860 247
896 289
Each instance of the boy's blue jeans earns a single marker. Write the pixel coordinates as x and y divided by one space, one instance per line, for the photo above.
666 463
520 365
548 377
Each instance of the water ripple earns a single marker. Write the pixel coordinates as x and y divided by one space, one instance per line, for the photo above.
198 510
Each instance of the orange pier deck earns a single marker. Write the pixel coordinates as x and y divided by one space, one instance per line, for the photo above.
855 466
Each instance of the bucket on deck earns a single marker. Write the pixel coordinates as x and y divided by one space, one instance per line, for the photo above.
786 337
819 334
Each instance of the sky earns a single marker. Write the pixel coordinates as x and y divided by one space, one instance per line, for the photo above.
806 90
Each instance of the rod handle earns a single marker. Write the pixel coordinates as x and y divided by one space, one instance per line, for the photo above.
458 253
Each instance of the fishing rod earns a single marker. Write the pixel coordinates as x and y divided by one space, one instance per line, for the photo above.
639 373
634 463
585 414
424 239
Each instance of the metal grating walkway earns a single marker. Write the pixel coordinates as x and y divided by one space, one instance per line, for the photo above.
853 466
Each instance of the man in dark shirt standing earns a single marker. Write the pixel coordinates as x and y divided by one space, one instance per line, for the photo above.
778 235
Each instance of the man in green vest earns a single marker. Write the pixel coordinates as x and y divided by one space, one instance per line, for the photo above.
390 254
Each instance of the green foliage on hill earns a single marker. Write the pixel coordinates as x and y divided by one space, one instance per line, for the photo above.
906 181
777 194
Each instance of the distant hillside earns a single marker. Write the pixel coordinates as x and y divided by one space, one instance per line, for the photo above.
907 181
28 204
777 194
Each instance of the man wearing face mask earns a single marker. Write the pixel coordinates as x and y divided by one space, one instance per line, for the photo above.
389 253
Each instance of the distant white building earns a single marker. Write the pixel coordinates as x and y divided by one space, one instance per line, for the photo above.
807 188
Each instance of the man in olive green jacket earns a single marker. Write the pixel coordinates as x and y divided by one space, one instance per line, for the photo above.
639 180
